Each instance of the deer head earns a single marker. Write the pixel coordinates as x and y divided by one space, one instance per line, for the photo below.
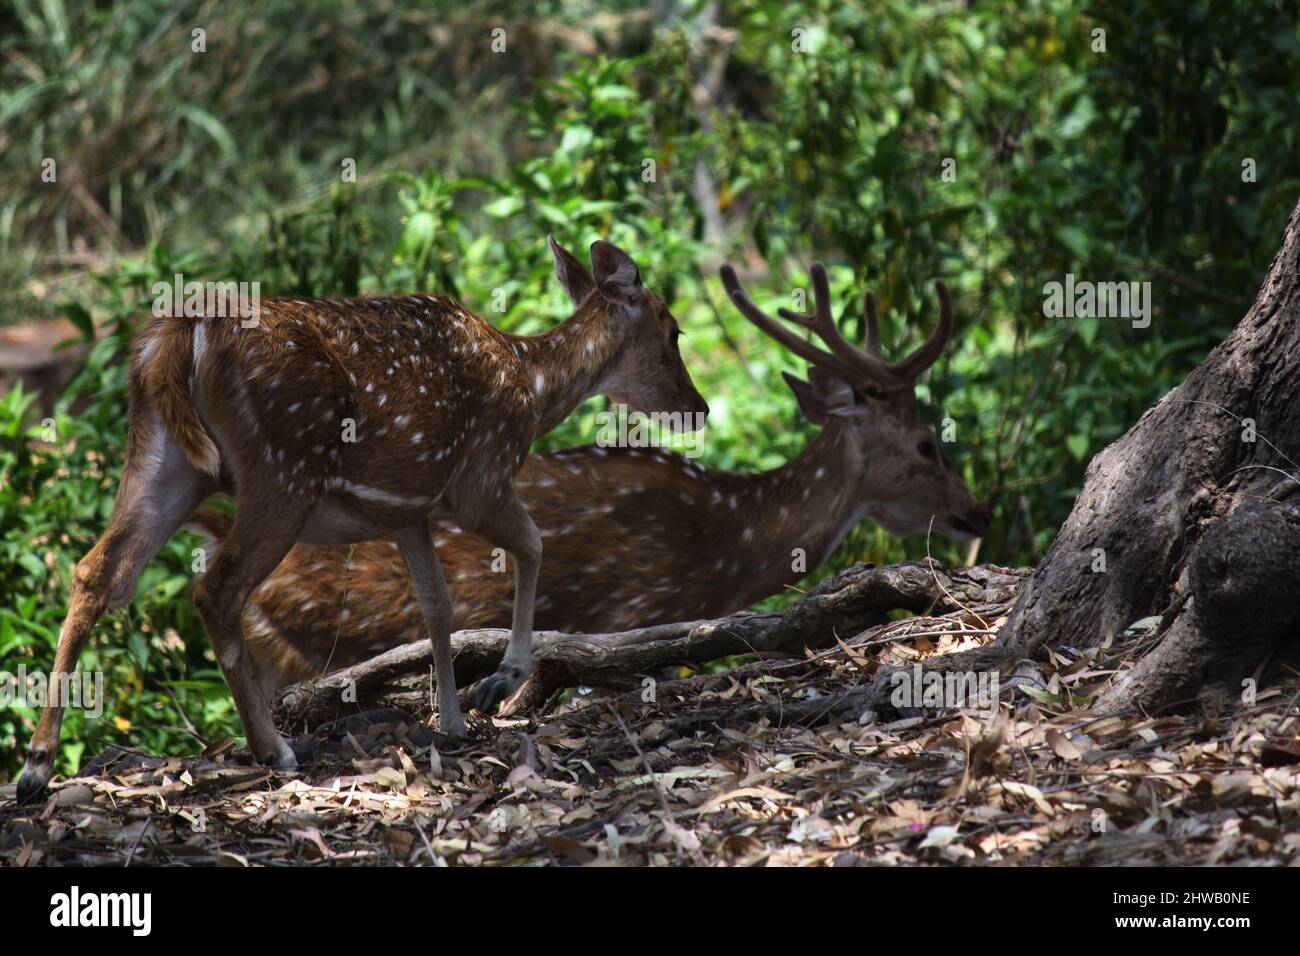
868 409
646 373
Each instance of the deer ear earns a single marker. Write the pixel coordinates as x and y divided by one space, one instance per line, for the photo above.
833 393
809 402
617 277
573 275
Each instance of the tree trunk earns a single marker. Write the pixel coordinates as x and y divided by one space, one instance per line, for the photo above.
1187 516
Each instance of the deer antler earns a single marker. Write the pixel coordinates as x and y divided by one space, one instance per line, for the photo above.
805 350
873 324
929 351
845 358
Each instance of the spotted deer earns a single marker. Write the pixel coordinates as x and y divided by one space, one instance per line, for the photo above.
636 537
331 422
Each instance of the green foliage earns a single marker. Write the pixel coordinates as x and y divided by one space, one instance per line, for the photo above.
1123 165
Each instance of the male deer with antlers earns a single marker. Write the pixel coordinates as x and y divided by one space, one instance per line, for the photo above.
637 537
333 422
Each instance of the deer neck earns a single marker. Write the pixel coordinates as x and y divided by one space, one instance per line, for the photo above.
567 365
809 503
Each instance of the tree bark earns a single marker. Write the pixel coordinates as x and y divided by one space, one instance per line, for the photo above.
1189 512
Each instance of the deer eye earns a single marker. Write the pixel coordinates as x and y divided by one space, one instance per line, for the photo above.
927 449
677 334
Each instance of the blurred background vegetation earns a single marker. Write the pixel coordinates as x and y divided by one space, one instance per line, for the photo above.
1124 165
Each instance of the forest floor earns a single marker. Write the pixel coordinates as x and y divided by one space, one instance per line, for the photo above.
613 780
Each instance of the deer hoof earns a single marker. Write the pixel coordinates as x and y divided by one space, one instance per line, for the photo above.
493 690
36 774
282 759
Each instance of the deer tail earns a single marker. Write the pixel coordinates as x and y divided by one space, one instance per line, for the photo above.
164 365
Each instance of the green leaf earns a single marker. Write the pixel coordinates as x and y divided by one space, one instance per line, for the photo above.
1075 239
139 649
1087 328
32 565
503 207
575 139
615 91
1044 697
78 315
210 125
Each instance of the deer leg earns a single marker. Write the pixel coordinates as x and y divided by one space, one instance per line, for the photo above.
416 544
265 529
507 524
158 491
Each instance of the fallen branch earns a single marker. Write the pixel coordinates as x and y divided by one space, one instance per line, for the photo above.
842 606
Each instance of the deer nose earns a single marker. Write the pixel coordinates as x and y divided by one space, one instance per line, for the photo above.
699 411
974 522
